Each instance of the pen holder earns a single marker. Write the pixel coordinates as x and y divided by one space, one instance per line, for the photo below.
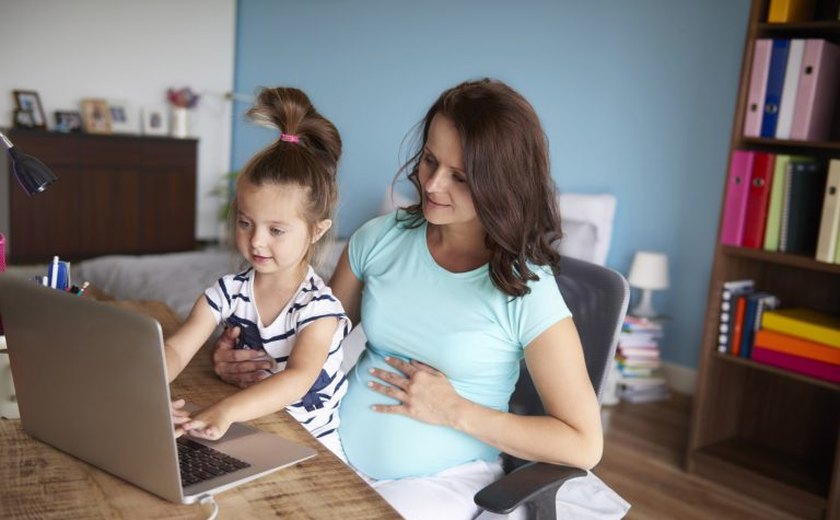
8 400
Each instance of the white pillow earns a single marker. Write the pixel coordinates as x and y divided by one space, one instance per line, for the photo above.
587 222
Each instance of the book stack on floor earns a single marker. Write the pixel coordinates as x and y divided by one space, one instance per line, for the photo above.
752 326
637 359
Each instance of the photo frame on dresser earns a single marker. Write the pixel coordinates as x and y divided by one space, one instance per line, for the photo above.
68 121
29 101
96 116
154 121
123 117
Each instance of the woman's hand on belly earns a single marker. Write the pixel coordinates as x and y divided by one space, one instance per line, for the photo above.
424 394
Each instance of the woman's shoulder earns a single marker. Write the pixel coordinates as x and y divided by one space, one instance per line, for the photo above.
378 228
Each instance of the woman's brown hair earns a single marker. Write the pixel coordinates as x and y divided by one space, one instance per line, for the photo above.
305 153
507 170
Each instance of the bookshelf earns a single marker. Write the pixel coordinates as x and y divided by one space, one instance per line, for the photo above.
757 429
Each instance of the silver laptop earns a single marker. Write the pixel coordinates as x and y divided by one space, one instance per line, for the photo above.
90 380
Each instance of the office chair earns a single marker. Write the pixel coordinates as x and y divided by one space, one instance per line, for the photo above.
598 298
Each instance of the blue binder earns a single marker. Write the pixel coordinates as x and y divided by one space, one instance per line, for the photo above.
775 82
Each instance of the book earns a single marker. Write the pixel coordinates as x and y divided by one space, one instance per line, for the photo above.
737 325
758 198
800 365
785 11
735 203
816 95
789 88
773 90
795 346
729 293
804 323
801 207
774 208
757 304
830 218
758 87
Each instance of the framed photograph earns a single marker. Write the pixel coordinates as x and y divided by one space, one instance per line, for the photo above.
123 117
68 121
23 119
96 116
29 101
154 121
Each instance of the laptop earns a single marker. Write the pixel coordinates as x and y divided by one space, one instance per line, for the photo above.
90 380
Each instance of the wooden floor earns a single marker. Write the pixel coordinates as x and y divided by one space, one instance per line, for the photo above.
643 461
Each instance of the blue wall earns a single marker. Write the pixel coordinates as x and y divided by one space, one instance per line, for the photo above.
636 98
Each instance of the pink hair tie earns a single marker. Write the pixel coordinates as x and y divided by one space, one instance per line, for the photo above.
289 138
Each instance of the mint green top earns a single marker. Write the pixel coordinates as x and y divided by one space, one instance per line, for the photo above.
458 323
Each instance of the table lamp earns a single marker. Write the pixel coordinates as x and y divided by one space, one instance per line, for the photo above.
649 273
32 175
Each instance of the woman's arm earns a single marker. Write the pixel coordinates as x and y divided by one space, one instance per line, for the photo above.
347 288
273 393
569 434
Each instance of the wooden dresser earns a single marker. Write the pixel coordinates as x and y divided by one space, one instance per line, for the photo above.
125 194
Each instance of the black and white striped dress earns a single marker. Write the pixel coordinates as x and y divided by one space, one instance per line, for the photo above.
231 300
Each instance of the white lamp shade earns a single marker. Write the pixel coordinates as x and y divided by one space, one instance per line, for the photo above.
649 271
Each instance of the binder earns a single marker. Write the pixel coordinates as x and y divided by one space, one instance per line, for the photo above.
773 91
830 218
735 203
800 365
789 88
802 207
816 95
784 11
804 323
797 346
758 87
758 198
774 207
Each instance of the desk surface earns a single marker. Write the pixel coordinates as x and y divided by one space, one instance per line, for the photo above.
38 481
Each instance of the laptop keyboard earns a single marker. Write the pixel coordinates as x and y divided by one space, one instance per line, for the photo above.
199 462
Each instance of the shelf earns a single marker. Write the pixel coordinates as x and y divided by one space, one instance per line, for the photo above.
789 145
800 261
816 28
787 374
784 481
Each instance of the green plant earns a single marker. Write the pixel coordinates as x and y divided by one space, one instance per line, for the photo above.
225 190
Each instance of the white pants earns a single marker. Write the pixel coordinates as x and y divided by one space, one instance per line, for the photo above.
449 495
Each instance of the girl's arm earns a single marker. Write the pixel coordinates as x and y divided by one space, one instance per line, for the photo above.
182 346
276 392
570 432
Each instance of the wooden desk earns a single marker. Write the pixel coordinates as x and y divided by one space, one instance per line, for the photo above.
38 481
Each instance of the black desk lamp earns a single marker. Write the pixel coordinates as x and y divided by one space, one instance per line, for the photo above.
32 174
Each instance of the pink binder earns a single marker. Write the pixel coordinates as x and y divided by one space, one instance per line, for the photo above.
801 365
735 204
758 87
817 92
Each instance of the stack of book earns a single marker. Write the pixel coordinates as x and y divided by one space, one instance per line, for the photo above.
638 362
800 340
783 203
741 311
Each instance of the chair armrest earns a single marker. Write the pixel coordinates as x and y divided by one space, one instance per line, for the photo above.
534 484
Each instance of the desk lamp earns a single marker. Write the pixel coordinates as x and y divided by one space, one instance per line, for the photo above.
649 273
32 175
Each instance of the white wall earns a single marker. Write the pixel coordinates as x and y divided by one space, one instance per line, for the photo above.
116 49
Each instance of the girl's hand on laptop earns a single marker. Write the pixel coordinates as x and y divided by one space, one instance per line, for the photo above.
179 416
240 367
210 423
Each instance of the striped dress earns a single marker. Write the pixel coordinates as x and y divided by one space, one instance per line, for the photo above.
231 300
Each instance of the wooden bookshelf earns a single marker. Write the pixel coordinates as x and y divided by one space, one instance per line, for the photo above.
758 429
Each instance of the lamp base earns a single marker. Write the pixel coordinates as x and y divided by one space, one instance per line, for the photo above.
644 309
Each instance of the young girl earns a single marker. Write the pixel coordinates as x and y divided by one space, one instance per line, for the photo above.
285 197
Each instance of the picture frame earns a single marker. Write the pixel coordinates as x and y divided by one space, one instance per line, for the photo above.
155 121
23 119
30 101
123 116
68 121
96 116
